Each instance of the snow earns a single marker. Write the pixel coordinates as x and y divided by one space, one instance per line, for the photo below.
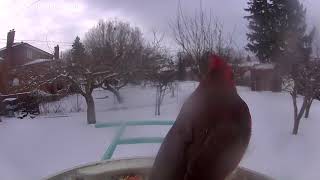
164 69
40 93
9 99
264 66
35 148
36 61
248 64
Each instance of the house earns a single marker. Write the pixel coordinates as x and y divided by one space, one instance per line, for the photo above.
2 83
22 53
264 77
242 72
16 56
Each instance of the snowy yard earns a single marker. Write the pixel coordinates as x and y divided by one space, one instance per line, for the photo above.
35 148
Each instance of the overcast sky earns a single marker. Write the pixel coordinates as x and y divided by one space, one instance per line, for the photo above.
63 20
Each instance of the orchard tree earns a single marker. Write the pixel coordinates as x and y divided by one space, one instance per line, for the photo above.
118 45
77 77
198 35
109 60
304 80
163 79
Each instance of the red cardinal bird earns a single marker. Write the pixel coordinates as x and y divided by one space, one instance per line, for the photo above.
211 133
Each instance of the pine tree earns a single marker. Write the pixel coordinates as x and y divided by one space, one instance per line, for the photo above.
290 27
248 59
260 38
77 51
277 31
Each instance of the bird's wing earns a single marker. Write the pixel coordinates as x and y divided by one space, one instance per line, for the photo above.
171 161
221 150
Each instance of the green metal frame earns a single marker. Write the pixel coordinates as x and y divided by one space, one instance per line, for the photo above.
117 140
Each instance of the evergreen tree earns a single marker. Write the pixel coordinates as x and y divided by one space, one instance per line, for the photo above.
77 51
248 59
277 31
290 29
260 38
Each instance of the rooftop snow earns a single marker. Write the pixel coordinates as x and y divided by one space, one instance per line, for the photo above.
248 64
27 46
14 44
264 66
38 61
9 99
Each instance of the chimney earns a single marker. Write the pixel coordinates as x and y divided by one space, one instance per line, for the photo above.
56 52
10 38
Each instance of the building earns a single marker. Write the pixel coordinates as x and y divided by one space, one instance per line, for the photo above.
242 72
16 56
23 53
264 77
2 83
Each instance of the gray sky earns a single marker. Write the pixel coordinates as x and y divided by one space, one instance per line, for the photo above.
63 20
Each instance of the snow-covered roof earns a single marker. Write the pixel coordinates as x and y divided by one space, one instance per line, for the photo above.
9 99
165 69
40 93
29 46
248 64
264 66
14 45
36 61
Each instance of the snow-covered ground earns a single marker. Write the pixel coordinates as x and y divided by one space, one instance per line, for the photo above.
34 148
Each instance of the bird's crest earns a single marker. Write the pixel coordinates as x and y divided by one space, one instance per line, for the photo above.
219 65
216 63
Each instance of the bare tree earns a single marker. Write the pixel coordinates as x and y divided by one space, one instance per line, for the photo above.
198 35
304 81
81 79
163 80
118 45
158 69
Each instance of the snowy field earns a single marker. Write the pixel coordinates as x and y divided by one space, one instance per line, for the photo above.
31 149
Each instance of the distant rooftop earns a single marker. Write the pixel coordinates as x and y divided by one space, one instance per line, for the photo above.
248 64
264 66
37 61
28 45
9 99
14 45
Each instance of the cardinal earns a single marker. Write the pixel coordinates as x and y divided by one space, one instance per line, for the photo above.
211 132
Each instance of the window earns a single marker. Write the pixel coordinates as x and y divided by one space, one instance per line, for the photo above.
15 82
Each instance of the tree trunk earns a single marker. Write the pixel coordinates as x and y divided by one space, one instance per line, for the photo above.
297 116
115 92
296 126
172 88
159 109
306 115
91 113
158 101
